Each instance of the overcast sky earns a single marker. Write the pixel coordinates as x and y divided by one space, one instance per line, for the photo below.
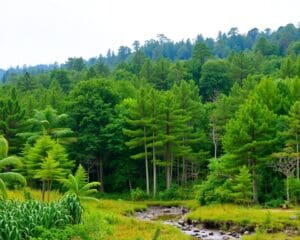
45 31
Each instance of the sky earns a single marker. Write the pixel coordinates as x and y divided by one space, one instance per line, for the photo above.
47 31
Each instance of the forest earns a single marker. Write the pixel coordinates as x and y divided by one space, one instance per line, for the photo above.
217 120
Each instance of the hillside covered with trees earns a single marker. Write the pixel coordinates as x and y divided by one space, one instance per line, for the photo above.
221 114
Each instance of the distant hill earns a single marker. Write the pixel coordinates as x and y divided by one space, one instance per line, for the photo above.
285 40
1 72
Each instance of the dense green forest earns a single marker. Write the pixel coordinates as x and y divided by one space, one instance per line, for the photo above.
223 115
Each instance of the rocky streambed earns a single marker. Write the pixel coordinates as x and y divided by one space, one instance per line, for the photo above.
175 216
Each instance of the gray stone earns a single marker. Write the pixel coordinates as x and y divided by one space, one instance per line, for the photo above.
181 222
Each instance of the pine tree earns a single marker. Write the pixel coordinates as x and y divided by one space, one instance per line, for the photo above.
46 155
12 118
188 102
242 189
155 141
170 117
139 119
249 137
49 171
293 133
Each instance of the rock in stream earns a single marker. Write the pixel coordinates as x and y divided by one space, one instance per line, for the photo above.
175 216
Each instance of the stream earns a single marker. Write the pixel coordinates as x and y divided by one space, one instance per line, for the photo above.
175 216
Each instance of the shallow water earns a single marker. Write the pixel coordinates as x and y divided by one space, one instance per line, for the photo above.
174 216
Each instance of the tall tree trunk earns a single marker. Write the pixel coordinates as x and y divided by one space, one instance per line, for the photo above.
297 149
168 176
178 171
215 142
129 184
287 189
49 189
254 181
146 162
168 153
192 172
168 166
101 174
183 174
154 168
43 191
172 163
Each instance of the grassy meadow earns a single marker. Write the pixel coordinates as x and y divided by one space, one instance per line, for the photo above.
113 220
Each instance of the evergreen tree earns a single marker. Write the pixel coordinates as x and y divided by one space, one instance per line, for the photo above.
12 118
293 133
139 119
249 137
46 160
91 108
188 102
155 141
242 192
49 171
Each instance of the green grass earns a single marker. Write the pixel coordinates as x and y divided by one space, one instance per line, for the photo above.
116 215
110 220
34 194
274 236
190 204
113 220
272 219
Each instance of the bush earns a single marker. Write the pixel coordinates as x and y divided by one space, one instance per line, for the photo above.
274 203
138 194
169 194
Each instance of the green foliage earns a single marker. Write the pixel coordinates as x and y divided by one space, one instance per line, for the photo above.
217 187
242 189
47 122
169 194
274 203
138 194
22 220
5 176
135 117
44 148
294 188
46 161
214 79
79 185
12 116
253 127
156 234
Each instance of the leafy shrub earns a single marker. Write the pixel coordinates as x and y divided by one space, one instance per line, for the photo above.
138 194
274 203
169 194
22 220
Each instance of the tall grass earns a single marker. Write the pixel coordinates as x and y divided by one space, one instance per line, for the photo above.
219 215
21 220
28 193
